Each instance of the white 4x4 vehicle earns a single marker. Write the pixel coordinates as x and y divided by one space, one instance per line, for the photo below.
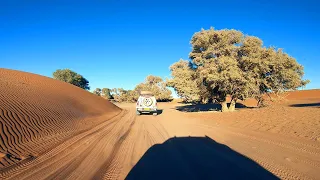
147 103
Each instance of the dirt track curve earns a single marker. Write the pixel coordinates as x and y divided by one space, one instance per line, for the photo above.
111 149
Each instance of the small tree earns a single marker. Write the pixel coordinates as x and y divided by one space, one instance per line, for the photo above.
117 93
71 77
97 91
106 93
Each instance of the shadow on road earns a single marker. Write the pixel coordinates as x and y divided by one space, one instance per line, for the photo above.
205 107
159 111
195 158
306 105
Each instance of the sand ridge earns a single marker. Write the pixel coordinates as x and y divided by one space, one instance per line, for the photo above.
37 112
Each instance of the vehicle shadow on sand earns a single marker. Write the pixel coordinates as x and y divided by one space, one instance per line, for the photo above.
306 105
159 111
196 158
206 107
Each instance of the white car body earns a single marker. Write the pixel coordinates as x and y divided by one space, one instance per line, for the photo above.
146 103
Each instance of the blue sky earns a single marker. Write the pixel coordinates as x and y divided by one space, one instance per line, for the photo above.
117 43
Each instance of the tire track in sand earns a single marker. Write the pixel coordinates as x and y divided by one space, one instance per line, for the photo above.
145 132
263 149
60 153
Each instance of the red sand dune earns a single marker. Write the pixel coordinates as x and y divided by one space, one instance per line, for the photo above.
37 112
290 97
304 94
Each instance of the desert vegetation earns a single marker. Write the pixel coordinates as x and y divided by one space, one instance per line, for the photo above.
228 63
71 77
104 92
155 84
223 63
152 83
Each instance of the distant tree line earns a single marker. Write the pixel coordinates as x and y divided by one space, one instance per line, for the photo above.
152 83
104 92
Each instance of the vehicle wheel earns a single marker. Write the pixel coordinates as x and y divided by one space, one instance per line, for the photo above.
155 113
138 113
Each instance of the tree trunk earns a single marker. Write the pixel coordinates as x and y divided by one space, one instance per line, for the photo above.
260 103
224 106
233 105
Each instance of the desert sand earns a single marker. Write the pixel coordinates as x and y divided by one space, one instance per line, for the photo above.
37 112
53 130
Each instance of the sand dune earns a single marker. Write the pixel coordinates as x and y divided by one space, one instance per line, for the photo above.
304 94
287 97
37 112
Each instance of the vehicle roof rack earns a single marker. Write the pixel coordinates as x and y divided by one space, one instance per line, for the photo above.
146 93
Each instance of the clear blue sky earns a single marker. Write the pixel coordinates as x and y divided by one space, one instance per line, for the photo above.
117 43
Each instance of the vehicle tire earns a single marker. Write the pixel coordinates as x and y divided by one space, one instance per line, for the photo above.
155 113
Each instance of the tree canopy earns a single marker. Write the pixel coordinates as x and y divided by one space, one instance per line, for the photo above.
157 86
121 95
97 91
71 77
228 63
152 83
184 81
106 93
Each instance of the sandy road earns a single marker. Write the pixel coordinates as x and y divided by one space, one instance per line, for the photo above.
112 149
107 151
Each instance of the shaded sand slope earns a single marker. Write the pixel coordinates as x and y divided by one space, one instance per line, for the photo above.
38 112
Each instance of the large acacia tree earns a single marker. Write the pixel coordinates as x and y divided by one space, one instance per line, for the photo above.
228 63
71 77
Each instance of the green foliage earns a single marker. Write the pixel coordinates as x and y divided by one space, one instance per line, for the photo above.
97 91
106 93
157 86
154 84
121 95
184 81
226 62
71 77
